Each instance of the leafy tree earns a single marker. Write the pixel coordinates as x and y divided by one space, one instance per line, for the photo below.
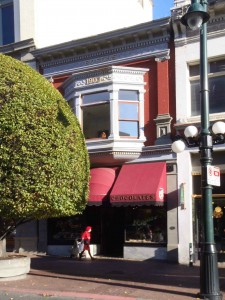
44 163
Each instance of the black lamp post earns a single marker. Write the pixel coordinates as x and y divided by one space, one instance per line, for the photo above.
197 17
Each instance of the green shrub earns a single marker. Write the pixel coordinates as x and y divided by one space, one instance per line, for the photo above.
44 163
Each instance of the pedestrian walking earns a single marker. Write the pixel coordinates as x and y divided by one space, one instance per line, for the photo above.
86 238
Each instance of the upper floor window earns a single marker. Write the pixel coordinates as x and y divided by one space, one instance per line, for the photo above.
109 104
216 87
6 22
96 115
129 113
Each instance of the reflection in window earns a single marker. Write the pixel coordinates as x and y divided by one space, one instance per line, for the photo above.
216 88
128 113
146 225
96 115
128 95
64 230
6 22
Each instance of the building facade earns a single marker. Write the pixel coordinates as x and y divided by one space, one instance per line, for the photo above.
187 55
120 86
133 88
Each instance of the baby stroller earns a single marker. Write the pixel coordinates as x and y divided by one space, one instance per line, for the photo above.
77 248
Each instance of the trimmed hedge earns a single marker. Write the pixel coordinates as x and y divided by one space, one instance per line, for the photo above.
44 163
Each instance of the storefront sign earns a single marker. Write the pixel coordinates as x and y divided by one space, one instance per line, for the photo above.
213 175
128 198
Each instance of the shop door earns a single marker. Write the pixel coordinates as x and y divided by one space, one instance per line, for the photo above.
218 202
219 226
112 231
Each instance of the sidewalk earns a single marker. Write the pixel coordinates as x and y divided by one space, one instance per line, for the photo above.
60 278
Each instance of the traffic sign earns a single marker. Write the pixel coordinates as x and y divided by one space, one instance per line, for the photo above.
213 175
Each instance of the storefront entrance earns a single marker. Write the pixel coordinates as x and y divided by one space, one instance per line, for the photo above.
112 232
219 226
218 202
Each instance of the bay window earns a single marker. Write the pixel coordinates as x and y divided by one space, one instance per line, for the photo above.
109 103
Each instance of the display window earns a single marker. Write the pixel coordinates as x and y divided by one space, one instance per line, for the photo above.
63 231
145 225
219 224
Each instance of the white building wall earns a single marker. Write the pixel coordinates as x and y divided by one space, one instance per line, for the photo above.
24 16
185 227
52 22
187 53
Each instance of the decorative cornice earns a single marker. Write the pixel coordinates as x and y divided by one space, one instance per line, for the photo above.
97 56
216 25
160 27
156 150
18 46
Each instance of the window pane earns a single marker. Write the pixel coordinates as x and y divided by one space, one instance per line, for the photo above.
217 66
96 119
127 128
7 24
194 70
128 95
96 97
128 111
195 98
146 225
216 95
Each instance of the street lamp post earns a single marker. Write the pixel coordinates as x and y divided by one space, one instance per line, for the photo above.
197 17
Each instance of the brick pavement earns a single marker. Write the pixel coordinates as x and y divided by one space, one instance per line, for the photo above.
104 278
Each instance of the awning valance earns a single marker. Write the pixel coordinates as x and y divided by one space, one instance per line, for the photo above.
100 184
140 184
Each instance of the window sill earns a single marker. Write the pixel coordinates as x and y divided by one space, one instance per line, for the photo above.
117 150
145 244
184 122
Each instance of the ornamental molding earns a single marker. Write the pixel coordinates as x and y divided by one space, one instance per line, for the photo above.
106 53
183 35
157 47
185 121
101 76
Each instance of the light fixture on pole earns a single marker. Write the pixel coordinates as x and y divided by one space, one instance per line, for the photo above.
196 18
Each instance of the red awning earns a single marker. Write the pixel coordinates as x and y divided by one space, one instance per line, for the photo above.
140 184
100 184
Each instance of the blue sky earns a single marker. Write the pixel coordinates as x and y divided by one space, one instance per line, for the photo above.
161 8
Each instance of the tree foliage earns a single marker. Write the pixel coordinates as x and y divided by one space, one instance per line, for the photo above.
44 164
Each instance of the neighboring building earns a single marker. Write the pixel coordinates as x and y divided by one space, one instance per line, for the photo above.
43 23
120 85
188 112
131 85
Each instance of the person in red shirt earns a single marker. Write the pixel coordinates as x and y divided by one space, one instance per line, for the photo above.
86 239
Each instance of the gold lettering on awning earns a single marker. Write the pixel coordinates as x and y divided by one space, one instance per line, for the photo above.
137 198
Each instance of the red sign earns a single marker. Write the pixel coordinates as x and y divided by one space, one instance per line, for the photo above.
213 175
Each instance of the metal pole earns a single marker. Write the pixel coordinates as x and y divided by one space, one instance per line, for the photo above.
209 277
